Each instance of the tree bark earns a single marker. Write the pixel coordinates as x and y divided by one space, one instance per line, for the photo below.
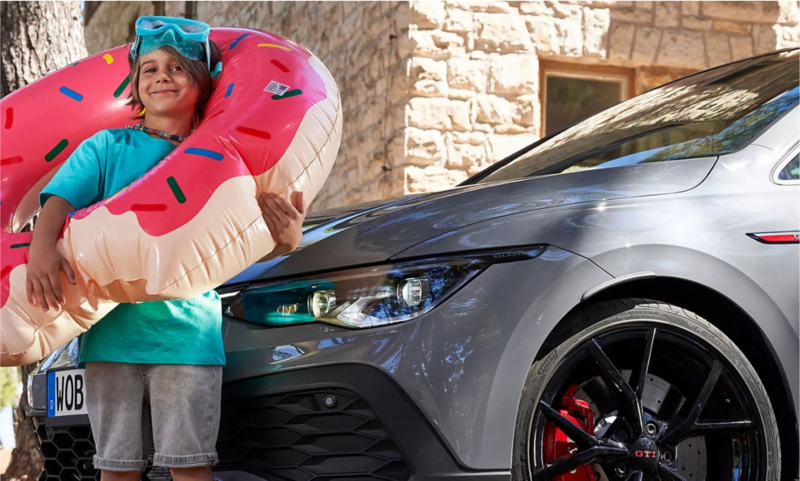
36 38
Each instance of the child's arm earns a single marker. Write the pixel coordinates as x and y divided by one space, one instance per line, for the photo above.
43 280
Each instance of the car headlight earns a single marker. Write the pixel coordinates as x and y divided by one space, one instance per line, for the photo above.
366 297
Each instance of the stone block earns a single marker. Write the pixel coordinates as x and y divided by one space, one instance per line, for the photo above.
668 14
427 14
474 138
467 74
718 48
458 20
461 155
501 33
645 45
570 36
690 8
492 110
527 111
425 113
543 34
535 8
733 27
682 48
596 22
788 36
501 146
564 9
621 41
431 179
759 12
789 12
515 74
423 147
428 77
765 39
632 15
435 43
643 5
696 23
741 47
460 94
459 113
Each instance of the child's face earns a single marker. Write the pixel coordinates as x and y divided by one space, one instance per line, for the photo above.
164 87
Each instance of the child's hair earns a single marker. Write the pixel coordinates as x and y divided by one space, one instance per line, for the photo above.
198 74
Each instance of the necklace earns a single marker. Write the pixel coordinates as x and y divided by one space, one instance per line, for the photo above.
142 128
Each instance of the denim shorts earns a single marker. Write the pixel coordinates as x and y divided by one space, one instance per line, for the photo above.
174 405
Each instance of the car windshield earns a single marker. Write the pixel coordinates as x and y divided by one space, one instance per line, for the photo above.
711 113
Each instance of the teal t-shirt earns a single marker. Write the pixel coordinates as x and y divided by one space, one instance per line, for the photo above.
158 332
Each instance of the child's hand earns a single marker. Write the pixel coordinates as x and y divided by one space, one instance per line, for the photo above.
285 220
43 280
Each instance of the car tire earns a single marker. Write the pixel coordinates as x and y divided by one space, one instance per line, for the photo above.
586 323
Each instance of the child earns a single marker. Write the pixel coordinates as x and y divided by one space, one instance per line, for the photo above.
150 365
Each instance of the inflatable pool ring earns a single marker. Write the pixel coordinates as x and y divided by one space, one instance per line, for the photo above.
273 124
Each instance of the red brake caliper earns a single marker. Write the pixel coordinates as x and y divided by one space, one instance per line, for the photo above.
557 444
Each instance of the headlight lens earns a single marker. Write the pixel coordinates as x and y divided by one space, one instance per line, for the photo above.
367 297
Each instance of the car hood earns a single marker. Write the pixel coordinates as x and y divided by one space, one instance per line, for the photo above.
375 232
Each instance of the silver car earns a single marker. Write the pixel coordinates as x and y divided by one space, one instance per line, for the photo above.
618 301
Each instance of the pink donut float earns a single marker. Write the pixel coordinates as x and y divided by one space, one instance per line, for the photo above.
273 124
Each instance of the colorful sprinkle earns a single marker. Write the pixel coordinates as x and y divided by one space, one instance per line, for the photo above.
122 86
257 133
56 150
9 117
10 160
235 42
149 207
75 63
279 65
290 93
17 246
71 93
274 46
176 190
5 271
205 153
230 89
109 59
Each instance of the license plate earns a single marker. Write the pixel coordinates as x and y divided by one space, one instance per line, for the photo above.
66 393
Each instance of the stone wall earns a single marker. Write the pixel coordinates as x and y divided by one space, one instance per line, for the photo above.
475 66
434 91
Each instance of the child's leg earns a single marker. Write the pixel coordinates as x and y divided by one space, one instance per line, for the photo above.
185 411
115 401
121 475
191 474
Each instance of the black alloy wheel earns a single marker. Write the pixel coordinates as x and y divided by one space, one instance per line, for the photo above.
645 391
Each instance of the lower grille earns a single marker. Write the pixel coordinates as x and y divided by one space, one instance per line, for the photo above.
309 435
68 453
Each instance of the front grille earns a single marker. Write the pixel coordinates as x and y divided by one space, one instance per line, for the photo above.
309 435
68 453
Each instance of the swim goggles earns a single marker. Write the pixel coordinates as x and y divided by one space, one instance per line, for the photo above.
189 37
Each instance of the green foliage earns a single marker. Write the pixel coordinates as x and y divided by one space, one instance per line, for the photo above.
9 384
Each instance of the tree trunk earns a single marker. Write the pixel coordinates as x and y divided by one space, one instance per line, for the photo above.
36 38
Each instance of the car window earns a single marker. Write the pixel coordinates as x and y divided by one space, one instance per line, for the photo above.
711 113
792 170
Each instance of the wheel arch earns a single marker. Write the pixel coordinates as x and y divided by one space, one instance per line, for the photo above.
728 317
